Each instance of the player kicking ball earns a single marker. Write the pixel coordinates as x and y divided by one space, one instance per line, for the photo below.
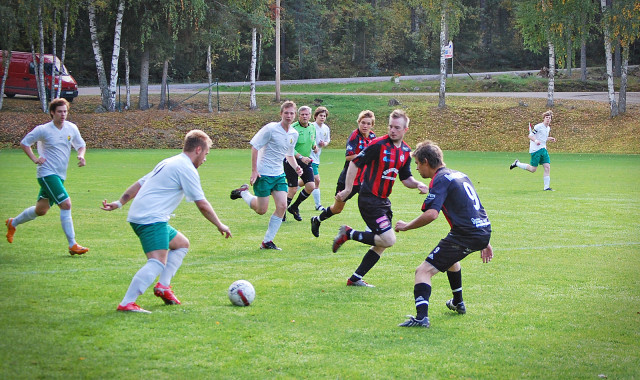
452 192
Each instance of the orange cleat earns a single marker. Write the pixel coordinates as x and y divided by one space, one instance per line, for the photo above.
77 249
10 230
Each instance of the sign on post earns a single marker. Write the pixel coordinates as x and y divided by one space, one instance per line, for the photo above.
448 50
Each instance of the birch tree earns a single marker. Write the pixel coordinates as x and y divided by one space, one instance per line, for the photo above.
8 38
252 98
606 28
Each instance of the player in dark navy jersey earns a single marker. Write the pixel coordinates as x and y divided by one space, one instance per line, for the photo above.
385 159
359 139
452 193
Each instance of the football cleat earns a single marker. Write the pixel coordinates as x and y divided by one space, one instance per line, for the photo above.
11 230
269 245
343 236
166 294
235 194
77 249
548 189
360 282
515 163
295 212
319 208
315 226
132 307
413 322
459 308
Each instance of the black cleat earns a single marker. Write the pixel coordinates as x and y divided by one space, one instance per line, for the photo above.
515 163
413 322
269 245
459 308
295 212
235 194
315 226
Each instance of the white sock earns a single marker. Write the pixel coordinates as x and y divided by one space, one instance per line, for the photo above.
67 226
316 197
522 165
547 181
247 197
174 260
274 225
142 280
27 215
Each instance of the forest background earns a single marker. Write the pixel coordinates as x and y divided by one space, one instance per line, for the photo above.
319 38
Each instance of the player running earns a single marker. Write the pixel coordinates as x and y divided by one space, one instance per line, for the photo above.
357 141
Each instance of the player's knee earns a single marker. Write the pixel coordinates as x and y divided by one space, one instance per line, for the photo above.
387 240
532 169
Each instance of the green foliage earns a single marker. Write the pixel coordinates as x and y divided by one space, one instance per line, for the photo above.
555 299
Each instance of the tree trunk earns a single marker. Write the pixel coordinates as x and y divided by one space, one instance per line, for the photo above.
6 60
259 56
569 56
443 61
607 50
127 72
54 90
63 51
41 84
102 75
252 97
552 74
209 78
622 96
583 59
617 72
278 52
115 57
143 97
163 86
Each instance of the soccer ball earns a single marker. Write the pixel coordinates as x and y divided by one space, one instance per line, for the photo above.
242 293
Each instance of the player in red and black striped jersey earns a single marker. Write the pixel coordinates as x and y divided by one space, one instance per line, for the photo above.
385 159
452 192
359 139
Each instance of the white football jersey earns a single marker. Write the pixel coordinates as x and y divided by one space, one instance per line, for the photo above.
55 146
163 189
322 134
541 132
273 143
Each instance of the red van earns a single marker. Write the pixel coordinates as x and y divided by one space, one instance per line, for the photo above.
22 79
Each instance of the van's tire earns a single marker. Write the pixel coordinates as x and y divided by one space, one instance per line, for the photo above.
10 95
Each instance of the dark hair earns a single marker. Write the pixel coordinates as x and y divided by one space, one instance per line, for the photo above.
429 152
196 138
58 102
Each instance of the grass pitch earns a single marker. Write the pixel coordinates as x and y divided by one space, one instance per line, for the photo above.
559 300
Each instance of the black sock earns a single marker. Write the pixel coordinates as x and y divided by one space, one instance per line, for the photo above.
365 237
421 293
455 280
301 198
368 261
289 201
326 214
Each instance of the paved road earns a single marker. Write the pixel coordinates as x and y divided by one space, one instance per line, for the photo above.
191 88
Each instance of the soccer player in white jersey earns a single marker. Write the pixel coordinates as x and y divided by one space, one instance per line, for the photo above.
272 144
54 140
155 196
539 136
323 138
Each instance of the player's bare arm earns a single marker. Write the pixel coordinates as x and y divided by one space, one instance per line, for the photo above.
254 166
29 152
81 161
208 212
412 183
292 161
128 195
422 220
352 170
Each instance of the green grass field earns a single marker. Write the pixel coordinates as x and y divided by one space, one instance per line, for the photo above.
560 299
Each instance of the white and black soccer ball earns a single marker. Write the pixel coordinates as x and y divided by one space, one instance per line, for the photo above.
242 293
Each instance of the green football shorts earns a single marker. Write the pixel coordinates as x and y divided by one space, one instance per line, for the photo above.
154 236
540 156
52 188
265 184
315 168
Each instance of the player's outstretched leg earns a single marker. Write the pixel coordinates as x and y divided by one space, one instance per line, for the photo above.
341 238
